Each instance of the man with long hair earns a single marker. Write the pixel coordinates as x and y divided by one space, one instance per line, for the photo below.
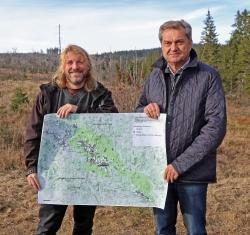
72 90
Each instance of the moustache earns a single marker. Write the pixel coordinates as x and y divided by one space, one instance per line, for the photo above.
75 71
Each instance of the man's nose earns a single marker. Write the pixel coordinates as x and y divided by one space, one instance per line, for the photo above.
74 65
173 46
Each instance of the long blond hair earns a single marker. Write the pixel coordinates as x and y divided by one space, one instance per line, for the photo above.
59 77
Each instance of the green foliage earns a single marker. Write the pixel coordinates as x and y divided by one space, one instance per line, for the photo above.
209 41
20 98
231 59
209 35
235 64
241 25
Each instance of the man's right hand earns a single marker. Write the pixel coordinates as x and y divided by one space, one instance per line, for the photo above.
65 110
33 181
152 110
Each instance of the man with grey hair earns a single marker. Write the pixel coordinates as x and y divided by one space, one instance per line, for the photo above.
191 94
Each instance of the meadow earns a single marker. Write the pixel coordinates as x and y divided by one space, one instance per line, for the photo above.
228 210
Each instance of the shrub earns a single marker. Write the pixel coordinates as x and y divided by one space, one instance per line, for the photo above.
19 99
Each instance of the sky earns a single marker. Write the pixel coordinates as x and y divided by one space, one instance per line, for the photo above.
105 26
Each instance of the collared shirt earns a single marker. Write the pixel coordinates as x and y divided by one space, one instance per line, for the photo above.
180 69
172 78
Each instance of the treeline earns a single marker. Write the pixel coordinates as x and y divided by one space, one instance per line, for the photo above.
231 59
129 67
26 65
132 67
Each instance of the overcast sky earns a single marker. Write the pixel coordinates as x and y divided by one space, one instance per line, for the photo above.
103 26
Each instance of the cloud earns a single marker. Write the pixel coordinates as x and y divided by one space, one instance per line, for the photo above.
202 12
102 26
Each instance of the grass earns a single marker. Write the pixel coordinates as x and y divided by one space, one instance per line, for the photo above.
228 210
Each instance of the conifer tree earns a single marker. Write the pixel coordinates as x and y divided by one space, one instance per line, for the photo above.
240 51
209 42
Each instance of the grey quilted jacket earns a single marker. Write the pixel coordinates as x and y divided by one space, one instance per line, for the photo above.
196 117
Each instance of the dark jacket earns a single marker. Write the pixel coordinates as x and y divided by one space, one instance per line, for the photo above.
96 101
196 117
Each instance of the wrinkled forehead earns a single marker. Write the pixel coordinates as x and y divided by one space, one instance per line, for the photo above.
178 29
175 30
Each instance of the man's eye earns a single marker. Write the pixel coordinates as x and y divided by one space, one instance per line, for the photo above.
180 42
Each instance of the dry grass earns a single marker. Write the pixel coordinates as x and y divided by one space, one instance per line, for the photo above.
228 200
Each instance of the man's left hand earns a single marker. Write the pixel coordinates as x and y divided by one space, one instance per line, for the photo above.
170 174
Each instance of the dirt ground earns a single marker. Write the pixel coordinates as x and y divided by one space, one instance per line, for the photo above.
228 207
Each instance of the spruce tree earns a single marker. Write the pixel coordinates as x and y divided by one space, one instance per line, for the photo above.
240 51
209 42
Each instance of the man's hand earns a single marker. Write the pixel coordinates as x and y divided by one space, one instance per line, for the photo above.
33 181
170 174
152 110
65 110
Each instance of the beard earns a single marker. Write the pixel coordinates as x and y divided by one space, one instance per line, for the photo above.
75 78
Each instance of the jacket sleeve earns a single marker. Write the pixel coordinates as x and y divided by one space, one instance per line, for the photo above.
143 99
33 135
212 133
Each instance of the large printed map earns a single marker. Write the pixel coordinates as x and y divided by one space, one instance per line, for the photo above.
103 159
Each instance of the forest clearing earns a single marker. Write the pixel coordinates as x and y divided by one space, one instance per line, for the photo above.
228 208
228 200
